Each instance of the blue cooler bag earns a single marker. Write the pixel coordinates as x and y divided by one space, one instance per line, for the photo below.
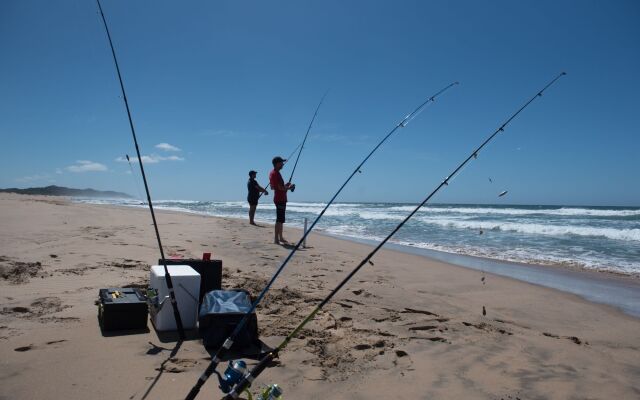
220 313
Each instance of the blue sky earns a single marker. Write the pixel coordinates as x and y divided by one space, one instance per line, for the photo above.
218 88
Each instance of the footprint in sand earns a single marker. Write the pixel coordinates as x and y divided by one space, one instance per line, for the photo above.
415 311
432 339
178 365
487 328
423 328
22 349
15 310
574 339
18 272
401 353
39 307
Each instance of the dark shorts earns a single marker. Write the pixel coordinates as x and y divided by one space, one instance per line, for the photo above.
281 208
253 201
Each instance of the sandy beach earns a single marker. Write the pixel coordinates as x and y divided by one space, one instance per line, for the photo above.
407 327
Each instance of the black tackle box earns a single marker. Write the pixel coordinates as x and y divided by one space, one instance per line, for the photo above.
122 308
210 273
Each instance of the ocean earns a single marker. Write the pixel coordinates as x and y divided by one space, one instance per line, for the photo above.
592 238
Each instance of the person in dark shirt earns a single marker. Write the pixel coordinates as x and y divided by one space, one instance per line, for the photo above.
279 197
254 189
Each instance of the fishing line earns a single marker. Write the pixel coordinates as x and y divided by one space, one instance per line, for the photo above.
229 342
135 180
172 295
262 365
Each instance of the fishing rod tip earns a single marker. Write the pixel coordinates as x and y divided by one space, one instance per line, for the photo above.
563 73
456 82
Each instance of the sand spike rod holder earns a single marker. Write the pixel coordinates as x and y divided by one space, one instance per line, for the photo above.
172 295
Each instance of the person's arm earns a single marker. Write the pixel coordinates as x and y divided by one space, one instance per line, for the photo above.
279 186
261 189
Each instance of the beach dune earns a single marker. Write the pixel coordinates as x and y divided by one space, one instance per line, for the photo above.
407 327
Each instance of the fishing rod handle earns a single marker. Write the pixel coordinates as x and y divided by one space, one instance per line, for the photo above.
248 379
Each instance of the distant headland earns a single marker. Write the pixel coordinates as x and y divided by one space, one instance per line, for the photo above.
65 191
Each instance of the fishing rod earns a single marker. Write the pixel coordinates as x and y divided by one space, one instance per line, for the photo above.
305 139
246 381
215 360
300 146
172 295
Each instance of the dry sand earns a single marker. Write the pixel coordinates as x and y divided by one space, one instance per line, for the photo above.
406 328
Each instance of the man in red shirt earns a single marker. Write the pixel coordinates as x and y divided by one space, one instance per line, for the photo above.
279 197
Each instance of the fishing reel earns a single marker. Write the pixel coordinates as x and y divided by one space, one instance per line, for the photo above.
232 375
271 392
293 188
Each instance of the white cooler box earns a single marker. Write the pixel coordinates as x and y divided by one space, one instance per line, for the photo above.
186 286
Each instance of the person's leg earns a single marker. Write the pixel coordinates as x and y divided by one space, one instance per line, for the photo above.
277 233
280 210
284 208
252 213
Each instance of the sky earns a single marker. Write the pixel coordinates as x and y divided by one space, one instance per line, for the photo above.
217 88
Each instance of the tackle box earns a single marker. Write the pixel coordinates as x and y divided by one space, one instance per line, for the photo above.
210 273
122 308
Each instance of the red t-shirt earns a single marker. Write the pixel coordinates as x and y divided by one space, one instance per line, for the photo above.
275 180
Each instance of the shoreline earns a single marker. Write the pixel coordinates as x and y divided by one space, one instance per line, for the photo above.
618 290
617 260
429 252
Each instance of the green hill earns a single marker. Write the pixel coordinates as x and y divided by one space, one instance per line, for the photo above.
64 191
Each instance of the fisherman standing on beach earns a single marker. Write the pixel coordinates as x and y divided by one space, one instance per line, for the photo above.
254 195
279 197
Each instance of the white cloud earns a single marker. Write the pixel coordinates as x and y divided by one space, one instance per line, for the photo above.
151 159
167 147
173 158
86 166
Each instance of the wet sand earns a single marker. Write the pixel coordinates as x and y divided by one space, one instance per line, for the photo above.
617 290
407 326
